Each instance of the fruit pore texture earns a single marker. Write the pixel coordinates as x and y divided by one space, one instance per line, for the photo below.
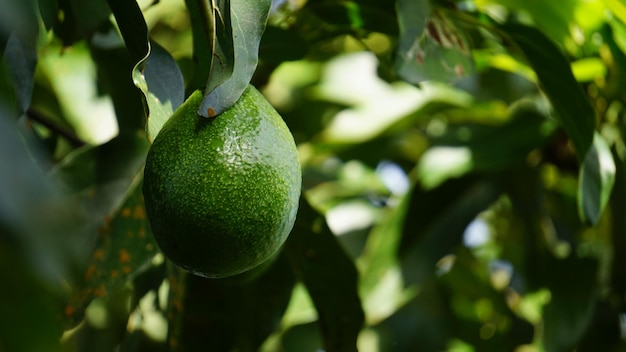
222 193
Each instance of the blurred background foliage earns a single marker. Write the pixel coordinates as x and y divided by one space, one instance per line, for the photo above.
464 178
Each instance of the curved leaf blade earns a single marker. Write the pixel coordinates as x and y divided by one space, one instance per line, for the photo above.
557 81
248 24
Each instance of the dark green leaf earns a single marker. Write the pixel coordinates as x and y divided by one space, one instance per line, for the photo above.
279 45
330 278
431 45
133 28
81 18
248 23
595 183
436 220
557 81
567 315
222 314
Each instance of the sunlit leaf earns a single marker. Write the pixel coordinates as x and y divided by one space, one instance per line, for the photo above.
595 183
162 83
557 81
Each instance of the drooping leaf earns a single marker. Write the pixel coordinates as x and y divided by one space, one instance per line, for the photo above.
330 278
431 45
436 220
222 314
248 23
557 81
133 28
595 183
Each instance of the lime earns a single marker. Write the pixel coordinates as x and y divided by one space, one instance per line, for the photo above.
221 193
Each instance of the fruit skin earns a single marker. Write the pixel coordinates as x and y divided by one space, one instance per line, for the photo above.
222 193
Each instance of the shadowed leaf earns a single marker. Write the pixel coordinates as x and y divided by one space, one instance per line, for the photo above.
557 81
330 278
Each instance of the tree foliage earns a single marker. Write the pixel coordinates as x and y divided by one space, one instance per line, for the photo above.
463 168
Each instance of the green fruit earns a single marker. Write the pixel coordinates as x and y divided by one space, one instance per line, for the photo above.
222 193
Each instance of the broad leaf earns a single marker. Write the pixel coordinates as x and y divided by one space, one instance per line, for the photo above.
330 278
223 58
124 248
248 23
431 45
557 81
595 182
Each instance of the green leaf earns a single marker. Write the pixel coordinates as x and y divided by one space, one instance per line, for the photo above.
80 19
557 81
431 45
223 58
573 294
248 23
133 28
162 84
330 278
595 182
233 313
436 220
125 247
